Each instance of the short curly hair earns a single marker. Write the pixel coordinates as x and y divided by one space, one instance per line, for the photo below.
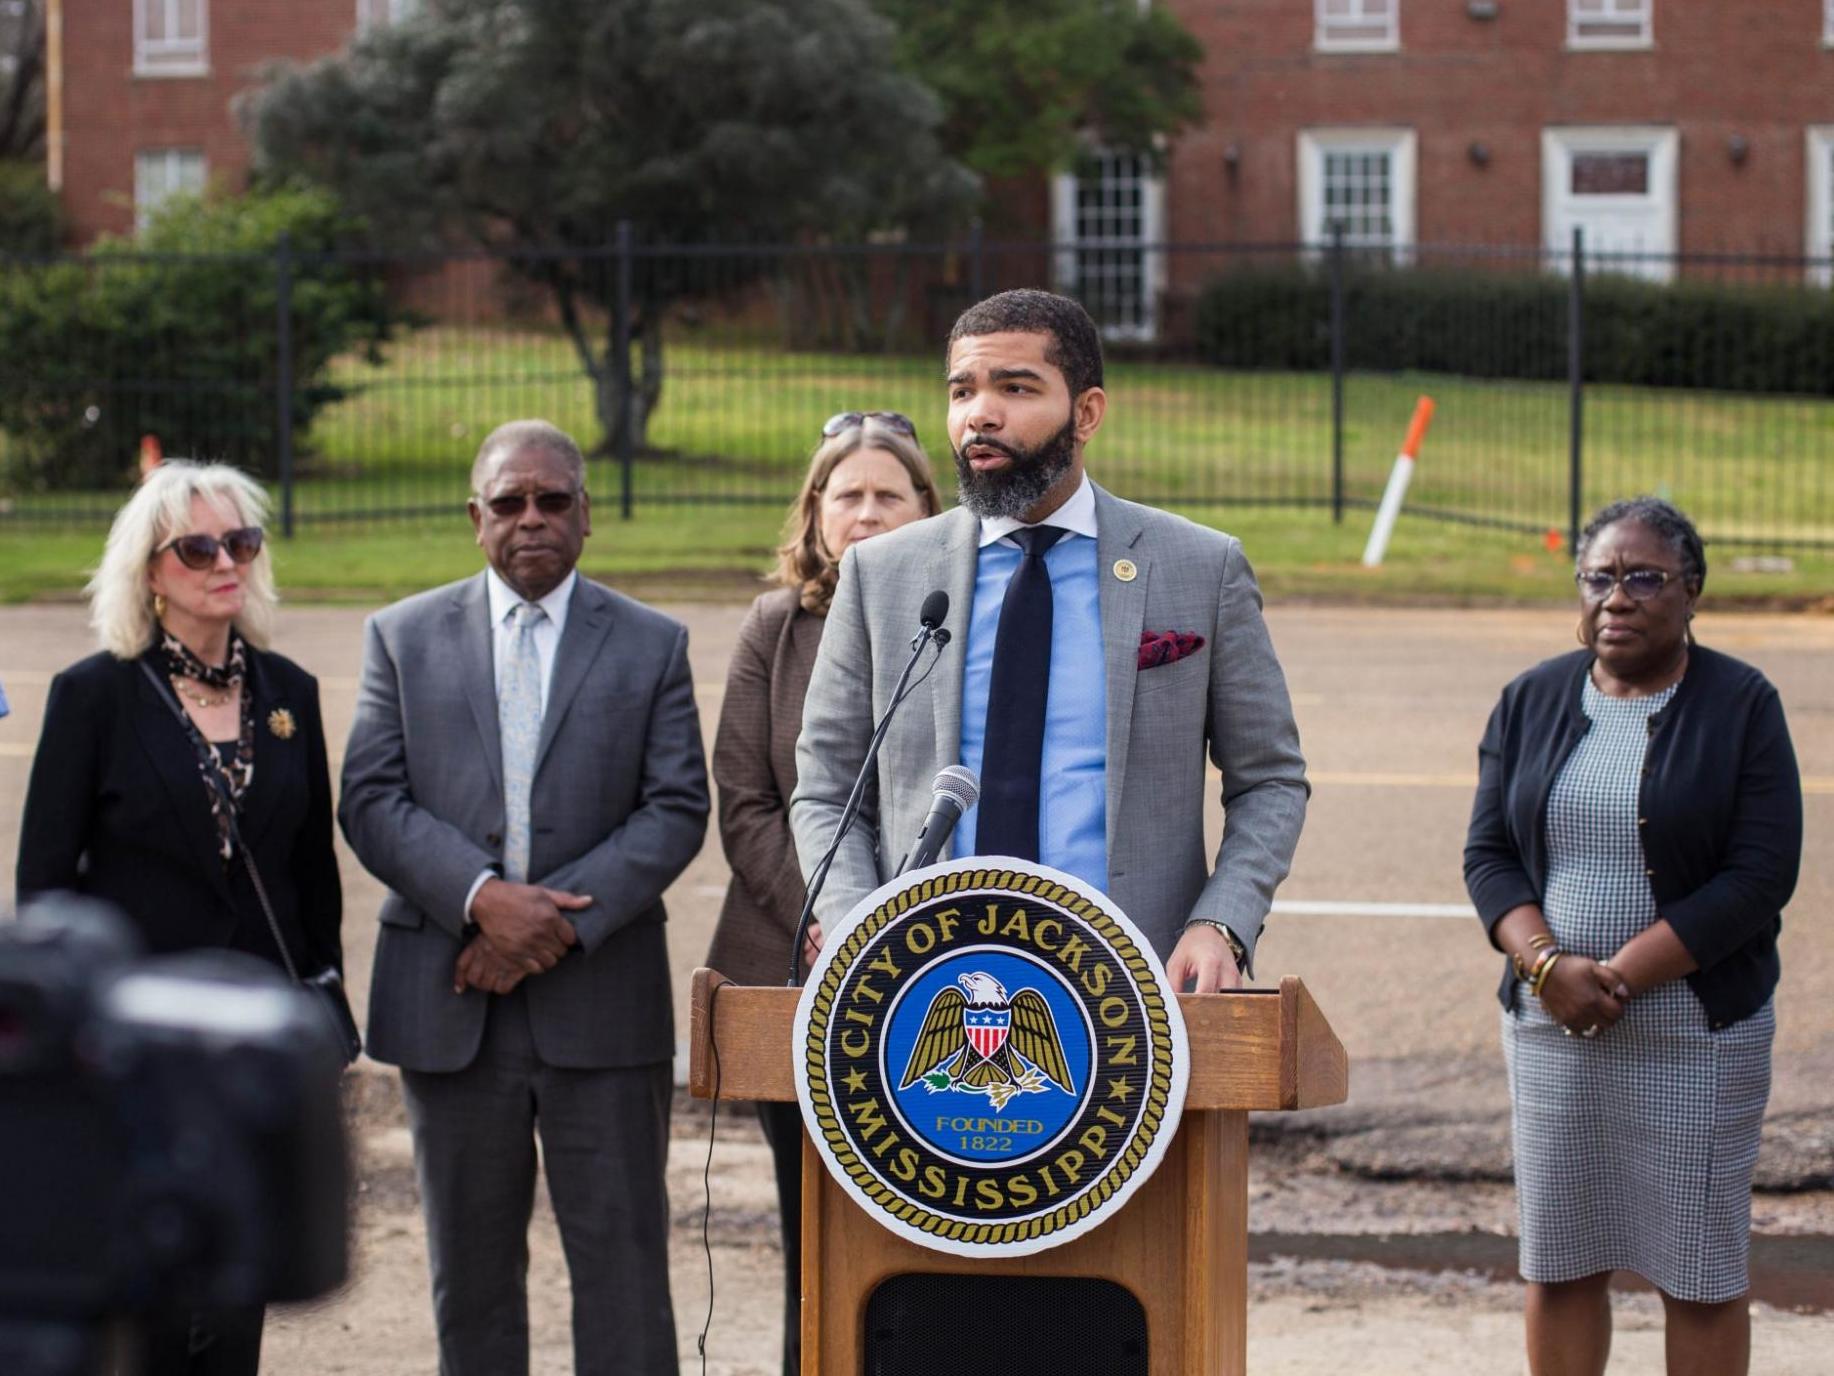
1076 345
1663 519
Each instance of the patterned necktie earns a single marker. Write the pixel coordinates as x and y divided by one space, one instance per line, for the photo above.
519 728
1014 752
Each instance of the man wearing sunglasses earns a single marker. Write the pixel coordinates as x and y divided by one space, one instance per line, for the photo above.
1099 773
525 775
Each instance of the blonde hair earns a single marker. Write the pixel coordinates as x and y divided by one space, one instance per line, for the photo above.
803 562
121 598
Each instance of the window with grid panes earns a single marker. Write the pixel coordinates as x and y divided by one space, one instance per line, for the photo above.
372 12
1357 25
1819 240
1110 229
1827 23
1610 23
171 37
163 172
1359 195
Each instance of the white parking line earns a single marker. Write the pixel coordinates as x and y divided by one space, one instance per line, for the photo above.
1307 907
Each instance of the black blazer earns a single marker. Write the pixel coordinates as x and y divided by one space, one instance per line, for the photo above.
1720 805
116 809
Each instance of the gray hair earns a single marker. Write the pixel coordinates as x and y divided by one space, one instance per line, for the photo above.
515 435
120 595
1662 519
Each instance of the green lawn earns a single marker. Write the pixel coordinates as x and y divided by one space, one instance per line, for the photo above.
1246 451
719 552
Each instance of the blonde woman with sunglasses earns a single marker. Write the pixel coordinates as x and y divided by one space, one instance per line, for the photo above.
122 804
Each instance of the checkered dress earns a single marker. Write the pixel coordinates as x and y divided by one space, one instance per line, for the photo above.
1633 1150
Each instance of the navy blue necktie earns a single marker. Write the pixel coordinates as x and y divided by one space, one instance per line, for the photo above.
1014 749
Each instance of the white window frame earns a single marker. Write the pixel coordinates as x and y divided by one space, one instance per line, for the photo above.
1827 23
1660 141
1152 233
373 12
171 57
1581 41
171 174
1402 146
1323 41
1818 186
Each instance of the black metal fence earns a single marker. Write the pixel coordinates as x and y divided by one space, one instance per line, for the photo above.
1239 374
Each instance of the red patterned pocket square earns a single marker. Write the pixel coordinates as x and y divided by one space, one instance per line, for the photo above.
1167 647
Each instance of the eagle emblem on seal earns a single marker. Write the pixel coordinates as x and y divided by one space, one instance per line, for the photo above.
977 1040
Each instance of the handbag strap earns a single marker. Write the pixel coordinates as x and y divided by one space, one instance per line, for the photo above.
206 757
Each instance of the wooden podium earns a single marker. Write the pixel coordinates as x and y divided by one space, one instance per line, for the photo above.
1180 1245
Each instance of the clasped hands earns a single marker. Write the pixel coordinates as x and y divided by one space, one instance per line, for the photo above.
522 930
1584 996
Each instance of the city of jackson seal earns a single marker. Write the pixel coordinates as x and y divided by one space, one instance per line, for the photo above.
989 1059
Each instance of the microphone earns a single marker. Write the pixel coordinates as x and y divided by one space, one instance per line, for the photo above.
929 632
955 791
930 618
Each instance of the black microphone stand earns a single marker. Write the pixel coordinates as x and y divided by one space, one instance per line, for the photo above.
926 635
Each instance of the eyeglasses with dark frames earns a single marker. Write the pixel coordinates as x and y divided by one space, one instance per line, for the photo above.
1639 585
895 421
199 551
547 503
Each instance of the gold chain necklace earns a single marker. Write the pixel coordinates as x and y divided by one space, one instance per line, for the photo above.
199 698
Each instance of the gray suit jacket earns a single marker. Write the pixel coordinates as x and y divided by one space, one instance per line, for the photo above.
618 808
1228 701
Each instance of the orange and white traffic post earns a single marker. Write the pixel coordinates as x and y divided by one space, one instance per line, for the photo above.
1398 479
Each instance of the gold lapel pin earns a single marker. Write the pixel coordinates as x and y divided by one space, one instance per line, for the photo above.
1125 571
281 723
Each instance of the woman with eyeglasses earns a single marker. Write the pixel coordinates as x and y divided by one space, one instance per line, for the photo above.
120 806
1635 837
868 475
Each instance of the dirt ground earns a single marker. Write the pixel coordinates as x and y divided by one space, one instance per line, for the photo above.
1390 704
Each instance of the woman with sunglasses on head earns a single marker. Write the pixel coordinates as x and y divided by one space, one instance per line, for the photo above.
120 805
868 475
1636 834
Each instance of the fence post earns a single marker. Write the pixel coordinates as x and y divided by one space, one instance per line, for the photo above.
623 444
1337 372
977 260
283 376
1576 387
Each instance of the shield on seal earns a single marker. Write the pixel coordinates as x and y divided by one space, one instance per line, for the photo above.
987 1028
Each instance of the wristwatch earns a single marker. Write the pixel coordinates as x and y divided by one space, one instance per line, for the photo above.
1236 948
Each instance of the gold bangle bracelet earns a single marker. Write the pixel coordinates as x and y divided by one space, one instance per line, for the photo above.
1543 969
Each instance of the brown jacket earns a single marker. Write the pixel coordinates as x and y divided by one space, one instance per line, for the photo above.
754 768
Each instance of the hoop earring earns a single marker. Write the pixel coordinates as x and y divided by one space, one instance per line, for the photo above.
159 606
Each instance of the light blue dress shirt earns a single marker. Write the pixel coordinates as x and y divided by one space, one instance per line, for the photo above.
1073 799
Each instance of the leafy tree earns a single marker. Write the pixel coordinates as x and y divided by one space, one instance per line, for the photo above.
537 125
1030 85
172 334
22 79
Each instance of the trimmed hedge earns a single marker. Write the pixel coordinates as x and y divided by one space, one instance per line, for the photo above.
31 217
173 334
1704 335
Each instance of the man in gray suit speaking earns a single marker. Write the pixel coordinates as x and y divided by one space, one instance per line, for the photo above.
1102 650
525 775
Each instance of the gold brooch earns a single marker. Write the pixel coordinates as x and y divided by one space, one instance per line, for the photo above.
1125 571
281 723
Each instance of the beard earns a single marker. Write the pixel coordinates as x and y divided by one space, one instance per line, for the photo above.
1017 488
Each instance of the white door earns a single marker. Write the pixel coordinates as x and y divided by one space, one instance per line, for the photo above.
1617 185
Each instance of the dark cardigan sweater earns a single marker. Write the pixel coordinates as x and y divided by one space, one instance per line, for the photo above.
1720 816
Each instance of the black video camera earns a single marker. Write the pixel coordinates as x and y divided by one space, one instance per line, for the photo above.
170 1137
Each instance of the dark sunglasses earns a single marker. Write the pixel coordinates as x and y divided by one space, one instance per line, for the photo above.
547 503
1639 584
845 420
200 551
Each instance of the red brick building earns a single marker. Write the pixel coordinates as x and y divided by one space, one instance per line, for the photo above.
140 90
1656 125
